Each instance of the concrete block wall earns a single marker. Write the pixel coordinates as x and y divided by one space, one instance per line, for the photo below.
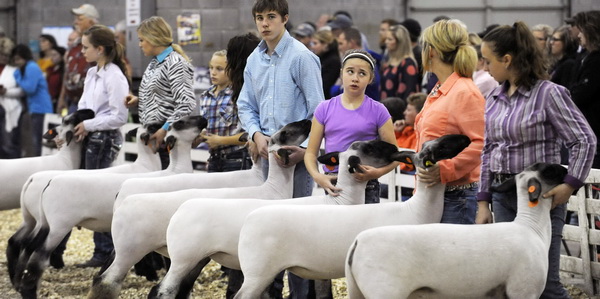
223 19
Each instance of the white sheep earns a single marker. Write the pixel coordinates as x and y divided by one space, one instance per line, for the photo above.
14 172
214 224
140 223
31 192
329 230
87 201
501 260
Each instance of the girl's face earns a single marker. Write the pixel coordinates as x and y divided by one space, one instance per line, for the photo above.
147 48
317 46
91 53
390 41
19 61
409 114
216 67
494 64
45 44
55 57
356 75
582 39
556 44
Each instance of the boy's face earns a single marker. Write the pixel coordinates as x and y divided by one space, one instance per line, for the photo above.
270 25
216 67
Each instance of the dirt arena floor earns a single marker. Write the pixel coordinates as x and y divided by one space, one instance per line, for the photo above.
71 282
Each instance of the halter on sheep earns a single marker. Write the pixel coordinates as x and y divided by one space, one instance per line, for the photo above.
507 259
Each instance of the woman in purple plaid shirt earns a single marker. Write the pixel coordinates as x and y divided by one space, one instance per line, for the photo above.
527 120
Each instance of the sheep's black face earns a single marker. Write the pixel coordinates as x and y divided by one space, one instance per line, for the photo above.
292 134
375 153
190 122
445 147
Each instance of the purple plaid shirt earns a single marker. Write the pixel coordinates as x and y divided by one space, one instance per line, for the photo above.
222 117
530 127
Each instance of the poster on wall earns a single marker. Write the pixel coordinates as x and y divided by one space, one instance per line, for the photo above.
188 29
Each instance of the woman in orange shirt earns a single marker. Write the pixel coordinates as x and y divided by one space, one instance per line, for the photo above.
454 106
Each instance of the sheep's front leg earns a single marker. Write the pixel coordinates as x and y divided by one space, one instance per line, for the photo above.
179 281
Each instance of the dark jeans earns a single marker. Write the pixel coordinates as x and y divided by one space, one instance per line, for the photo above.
460 206
237 160
504 206
101 149
10 142
37 130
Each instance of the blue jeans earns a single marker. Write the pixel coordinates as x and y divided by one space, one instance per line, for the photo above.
460 206
303 186
100 150
37 130
504 206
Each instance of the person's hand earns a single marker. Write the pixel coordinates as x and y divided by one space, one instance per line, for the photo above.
131 101
213 140
560 194
253 150
296 154
326 182
399 125
429 176
262 144
59 142
366 173
158 138
484 215
80 132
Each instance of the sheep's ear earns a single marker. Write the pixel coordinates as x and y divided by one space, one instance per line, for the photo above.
330 159
145 138
243 137
50 134
131 133
285 155
506 186
69 136
353 162
406 157
170 143
534 189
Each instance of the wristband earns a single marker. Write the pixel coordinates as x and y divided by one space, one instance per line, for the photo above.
166 126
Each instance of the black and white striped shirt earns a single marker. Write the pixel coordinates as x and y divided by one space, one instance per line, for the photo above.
166 93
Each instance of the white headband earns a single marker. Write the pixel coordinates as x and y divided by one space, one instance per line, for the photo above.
361 56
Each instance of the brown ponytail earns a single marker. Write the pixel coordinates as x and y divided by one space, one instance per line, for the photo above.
100 35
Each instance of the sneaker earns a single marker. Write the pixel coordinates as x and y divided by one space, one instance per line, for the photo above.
92 263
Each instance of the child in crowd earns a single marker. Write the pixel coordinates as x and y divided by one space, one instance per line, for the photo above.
350 117
406 137
227 152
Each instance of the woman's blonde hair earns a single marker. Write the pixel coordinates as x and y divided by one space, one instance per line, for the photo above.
403 45
324 36
451 40
159 34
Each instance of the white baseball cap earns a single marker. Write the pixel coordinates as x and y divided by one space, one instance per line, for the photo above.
87 10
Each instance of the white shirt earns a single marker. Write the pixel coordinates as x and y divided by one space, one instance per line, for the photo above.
104 92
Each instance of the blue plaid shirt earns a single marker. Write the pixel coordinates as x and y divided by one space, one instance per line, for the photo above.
281 88
222 118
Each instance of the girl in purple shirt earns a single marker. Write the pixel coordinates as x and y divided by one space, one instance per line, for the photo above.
351 116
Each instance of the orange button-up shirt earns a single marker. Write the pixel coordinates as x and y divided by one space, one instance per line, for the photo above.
456 108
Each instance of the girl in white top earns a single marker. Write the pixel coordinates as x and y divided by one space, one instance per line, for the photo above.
104 89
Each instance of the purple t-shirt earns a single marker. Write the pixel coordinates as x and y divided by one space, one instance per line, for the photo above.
343 126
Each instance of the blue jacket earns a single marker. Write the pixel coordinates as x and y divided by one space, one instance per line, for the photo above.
35 87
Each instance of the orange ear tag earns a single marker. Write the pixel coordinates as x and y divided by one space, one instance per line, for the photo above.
330 167
409 160
50 132
333 160
532 204
531 189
